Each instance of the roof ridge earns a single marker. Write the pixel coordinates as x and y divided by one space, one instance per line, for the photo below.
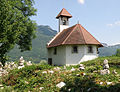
90 34
76 34
82 33
53 38
69 33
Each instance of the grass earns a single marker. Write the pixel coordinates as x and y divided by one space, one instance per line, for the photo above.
31 78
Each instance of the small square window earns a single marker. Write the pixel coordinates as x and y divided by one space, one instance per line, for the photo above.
74 49
55 51
90 49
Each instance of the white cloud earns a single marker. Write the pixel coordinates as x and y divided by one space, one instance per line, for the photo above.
117 23
114 44
81 1
110 25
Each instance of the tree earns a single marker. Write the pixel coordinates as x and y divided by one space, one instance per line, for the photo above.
118 52
16 27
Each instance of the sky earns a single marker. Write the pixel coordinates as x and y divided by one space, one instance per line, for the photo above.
100 17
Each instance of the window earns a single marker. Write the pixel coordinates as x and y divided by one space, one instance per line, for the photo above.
90 49
64 22
55 51
75 49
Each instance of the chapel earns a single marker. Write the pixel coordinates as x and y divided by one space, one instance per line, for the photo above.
71 45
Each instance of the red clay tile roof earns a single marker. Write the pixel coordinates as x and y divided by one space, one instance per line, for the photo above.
77 35
64 12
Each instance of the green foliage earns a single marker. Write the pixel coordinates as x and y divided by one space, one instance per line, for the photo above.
16 27
31 78
39 51
26 78
118 52
43 62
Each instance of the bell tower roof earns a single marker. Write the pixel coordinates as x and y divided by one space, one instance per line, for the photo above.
65 13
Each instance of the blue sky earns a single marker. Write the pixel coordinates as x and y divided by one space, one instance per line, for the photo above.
100 17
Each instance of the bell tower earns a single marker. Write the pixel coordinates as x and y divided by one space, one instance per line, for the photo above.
63 17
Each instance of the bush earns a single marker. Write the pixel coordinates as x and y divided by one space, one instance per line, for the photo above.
118 52
43 62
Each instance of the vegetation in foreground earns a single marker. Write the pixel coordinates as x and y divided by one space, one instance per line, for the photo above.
45 78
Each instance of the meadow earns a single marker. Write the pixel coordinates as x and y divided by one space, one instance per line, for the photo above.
44 78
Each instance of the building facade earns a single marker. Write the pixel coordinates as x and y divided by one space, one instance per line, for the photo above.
72 45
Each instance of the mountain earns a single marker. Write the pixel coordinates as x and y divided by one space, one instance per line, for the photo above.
46 30
38 52
108 50
104 44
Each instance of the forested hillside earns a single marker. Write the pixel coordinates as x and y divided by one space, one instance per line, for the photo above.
38 52
109 50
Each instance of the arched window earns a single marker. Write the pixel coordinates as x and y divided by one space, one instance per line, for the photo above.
64 22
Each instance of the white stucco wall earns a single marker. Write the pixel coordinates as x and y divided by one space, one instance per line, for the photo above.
66 57
60 57
74 58
81 56
89 56
62 27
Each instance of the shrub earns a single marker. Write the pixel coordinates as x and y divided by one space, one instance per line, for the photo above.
118 52
43 62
